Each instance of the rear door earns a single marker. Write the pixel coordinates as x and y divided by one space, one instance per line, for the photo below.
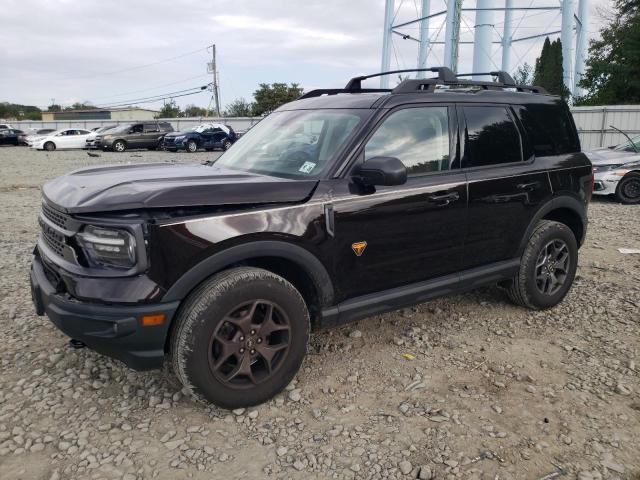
413 232
506 187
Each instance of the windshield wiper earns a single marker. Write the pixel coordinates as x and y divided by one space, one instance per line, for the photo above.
635 148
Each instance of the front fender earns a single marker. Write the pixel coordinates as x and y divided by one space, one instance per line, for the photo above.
252 250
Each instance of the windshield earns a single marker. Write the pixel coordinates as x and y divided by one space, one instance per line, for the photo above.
626 146
293 144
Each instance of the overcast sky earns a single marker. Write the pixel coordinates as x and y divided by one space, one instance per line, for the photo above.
101 51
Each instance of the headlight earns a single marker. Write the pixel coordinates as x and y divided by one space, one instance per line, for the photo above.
108 247
180 138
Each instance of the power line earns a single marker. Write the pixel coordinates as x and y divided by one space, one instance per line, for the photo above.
156 98
152 88
170 97
138 67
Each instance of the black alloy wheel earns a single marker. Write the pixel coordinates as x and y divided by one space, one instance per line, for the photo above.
552 267
249 344
628 189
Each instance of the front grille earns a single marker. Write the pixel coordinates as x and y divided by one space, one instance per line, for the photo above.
53 239
168 141
58 218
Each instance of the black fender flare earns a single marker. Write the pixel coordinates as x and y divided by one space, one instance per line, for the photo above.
565 202
252 250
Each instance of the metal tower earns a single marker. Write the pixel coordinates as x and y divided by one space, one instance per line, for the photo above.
573 35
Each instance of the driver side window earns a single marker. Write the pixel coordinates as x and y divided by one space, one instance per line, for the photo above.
418 137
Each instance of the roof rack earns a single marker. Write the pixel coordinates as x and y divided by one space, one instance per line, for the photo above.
355 84
504 81
445 77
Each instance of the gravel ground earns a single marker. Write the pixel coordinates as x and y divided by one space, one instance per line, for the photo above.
462 387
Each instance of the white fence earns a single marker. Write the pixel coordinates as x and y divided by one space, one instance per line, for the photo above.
594 124
237 123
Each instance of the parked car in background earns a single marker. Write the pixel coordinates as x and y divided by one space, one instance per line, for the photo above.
5 126
11 136
35 135
133 135
91 140
617 170
63 139
207 136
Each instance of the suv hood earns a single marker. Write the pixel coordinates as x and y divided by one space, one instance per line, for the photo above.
139 186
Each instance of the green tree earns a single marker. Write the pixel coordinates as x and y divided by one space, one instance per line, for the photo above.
524 74
269 97
80 106
54 108
548 70
20 112
612 75
194 111
238 108
170 110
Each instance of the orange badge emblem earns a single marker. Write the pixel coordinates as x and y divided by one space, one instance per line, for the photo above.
358 248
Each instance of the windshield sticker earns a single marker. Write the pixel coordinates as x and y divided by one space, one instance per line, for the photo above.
307 167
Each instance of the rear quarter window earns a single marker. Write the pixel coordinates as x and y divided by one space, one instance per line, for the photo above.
550 129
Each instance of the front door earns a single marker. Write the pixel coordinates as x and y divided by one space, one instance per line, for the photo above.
409 233
505 187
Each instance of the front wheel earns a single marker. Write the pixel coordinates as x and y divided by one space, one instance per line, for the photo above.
226 145
49 146
119 146
628 189
240 337
547 268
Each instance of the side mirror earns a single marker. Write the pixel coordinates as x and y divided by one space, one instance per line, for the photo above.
384 171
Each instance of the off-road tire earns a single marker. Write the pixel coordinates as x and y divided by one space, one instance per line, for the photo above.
191 146
522 289
119 146
629 183
49 146
199 318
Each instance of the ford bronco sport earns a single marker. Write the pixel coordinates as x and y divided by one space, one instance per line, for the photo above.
341 205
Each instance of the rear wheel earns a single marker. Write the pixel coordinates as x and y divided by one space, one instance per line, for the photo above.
547 268
628 189
49 146
119 146
192 146
240 337
226 145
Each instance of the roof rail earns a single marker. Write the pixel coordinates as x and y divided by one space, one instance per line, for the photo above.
355 84
504 81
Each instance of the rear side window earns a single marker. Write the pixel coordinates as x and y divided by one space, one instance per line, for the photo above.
491 137
151 127
550 129
418 137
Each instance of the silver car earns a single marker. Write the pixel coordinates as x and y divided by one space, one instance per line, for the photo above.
617 170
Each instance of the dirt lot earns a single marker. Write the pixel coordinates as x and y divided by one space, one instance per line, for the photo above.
468 386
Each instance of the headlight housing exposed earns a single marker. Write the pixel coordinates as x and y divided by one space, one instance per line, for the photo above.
108 247
179 138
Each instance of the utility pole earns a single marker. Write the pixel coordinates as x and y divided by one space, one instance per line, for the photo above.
215 97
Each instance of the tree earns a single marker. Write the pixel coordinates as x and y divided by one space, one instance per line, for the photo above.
548 71
20 112
170 110
269 97
194 111
54 108
524 74
238 108
612 75
80 106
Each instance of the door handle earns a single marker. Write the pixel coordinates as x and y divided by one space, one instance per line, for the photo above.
442 199
528 187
